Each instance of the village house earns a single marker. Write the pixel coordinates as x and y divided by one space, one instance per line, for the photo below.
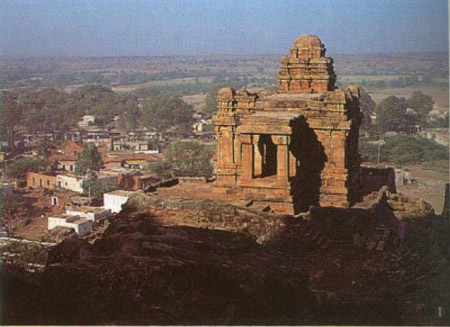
90 213
134 181
45 180
131 160
86 120
70 182
77 183
80 225
73 135
142 134
64 161
199 126
65 157
114 200
70 148
112 162
438 135
142 145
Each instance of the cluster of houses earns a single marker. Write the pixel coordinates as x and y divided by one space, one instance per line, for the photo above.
124 169
83 219
125 157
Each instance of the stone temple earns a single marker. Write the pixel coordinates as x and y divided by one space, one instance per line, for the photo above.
292 148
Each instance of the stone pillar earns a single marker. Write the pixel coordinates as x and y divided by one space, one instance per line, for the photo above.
339 148
219 148
257 157
226 146
247 158
282 157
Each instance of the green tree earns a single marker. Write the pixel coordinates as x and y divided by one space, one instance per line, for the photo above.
12 204
404 149
43 149
20 167
11 116
42 109
164 112
97 187
391 114
189 158
162 169
367 107
422 104
210 107
89 159
130 119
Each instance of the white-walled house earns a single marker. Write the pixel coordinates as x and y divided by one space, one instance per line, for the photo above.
70 182
82 226
114 200
90 213
74 183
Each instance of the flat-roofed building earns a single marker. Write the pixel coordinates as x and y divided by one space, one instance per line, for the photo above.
114 200
81 226
77 184
45 180
90 213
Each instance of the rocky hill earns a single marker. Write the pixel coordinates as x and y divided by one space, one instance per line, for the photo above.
187 261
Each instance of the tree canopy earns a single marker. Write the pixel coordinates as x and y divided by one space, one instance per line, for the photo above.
367 107
404 149
88 159
163 112
422 104
20 167
396 114
391 113
189 158
97 187
210 107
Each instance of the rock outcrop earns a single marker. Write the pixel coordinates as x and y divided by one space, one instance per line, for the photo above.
141 272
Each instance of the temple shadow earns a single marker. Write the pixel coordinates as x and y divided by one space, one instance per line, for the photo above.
310 160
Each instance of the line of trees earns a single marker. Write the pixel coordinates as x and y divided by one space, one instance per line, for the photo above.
395 114
49 109
404 149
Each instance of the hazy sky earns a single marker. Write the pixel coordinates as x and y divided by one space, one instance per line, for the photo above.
195 27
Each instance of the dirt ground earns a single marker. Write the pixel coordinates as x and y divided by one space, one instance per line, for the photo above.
35 226
196 100
439 93
428 183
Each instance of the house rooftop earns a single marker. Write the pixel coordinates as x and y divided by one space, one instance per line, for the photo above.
45 173
121 193
87 209
73 219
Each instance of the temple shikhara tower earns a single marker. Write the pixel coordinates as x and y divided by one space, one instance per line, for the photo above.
295 147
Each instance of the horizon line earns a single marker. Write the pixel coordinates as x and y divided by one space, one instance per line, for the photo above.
208 55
